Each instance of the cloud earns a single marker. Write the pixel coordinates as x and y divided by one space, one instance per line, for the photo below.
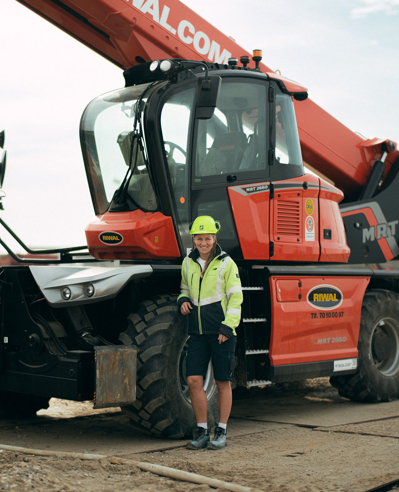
388 7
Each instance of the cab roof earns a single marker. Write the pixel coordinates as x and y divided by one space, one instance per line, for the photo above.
140 74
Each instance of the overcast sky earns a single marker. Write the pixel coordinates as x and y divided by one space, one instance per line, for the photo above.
344 51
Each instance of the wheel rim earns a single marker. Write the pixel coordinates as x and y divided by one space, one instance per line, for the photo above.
209 382
385 346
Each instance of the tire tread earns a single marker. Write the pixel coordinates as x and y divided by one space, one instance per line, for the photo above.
367 384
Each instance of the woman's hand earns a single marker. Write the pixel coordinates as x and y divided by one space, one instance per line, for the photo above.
222 338
185 308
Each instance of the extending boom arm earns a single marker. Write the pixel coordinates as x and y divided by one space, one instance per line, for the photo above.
128 32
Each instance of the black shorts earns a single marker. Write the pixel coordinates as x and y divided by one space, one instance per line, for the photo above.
202 348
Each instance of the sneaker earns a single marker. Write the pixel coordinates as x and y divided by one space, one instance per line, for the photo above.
219 439
200 439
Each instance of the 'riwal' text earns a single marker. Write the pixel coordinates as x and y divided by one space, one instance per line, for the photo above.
186 31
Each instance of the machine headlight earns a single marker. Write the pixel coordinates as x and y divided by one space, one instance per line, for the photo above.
154 65
165 65
89 290
66 293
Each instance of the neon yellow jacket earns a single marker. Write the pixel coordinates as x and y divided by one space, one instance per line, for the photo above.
216 298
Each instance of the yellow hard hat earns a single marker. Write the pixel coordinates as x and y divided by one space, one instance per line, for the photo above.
204 224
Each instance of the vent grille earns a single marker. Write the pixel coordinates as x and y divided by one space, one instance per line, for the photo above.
288 218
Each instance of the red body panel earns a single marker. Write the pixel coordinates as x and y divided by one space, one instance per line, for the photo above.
301 332
334 249
294 219
250 206
144 236
291 220
127 32
372 221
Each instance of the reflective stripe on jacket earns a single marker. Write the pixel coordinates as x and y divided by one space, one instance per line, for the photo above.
216 298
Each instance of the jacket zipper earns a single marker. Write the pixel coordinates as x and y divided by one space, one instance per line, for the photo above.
199 308
199 302
199 293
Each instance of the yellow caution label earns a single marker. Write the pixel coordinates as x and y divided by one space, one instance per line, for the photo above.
309 207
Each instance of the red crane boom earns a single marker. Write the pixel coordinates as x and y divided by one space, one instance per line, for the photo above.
128 32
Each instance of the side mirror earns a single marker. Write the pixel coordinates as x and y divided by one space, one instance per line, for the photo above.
3 158
207 97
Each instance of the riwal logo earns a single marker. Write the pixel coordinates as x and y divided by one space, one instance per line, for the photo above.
110 237
185 30
325 297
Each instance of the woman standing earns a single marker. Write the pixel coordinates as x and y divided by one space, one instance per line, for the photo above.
211 295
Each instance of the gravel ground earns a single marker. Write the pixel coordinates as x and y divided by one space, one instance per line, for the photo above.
291 458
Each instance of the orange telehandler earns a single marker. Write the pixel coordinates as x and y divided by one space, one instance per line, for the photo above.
203 128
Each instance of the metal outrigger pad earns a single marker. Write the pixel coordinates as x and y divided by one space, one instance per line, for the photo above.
115 376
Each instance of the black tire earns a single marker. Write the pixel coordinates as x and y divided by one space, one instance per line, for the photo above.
377 376
16 405
163 405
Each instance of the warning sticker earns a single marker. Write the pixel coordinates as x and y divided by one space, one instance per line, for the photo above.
309 207
309 228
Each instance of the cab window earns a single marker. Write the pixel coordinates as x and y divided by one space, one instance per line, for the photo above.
235 139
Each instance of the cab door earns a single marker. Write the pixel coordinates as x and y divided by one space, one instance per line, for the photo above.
230 172
294 205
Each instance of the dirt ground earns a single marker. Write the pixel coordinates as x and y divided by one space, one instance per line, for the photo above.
284 457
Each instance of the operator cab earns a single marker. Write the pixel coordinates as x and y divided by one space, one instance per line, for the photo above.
154 163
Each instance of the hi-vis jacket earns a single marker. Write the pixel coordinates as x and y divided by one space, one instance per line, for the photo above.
216 298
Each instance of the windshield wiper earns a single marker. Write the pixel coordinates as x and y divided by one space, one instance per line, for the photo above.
136 144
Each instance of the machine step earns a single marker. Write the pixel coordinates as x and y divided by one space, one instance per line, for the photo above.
256 352
257 382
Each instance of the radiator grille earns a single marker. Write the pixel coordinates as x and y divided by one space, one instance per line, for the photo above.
288 218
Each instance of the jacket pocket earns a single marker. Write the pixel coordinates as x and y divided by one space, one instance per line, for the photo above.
211 317
193 322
